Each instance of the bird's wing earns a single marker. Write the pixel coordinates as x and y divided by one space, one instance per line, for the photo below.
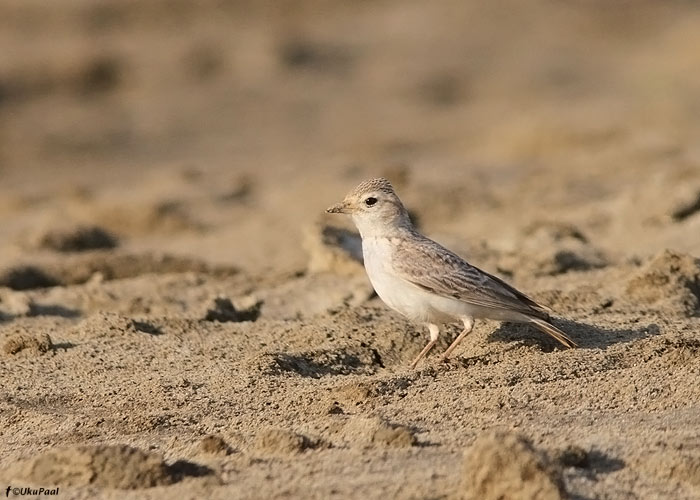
432 267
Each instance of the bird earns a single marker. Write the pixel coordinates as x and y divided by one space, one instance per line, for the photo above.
426 282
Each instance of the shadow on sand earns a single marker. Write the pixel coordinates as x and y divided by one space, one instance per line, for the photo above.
53 310
43 310
585 335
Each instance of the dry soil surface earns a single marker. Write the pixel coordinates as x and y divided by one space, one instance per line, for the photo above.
179 319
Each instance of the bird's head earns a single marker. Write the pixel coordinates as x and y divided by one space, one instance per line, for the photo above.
374 206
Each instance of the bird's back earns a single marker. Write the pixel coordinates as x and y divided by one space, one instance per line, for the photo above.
427 264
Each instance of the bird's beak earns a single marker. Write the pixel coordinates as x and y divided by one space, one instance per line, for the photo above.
339 208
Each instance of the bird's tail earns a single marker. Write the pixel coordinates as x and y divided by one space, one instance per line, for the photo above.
553 331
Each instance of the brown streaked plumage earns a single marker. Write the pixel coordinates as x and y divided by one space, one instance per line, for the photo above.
423 280
431 266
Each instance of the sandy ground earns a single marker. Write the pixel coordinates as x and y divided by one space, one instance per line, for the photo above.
179 319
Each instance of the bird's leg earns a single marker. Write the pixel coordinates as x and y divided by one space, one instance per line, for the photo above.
468 325
434 332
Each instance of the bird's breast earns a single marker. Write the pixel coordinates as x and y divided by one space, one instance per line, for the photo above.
377 254
397 293
404 297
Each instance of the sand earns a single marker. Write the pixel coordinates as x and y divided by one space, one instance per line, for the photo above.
180 319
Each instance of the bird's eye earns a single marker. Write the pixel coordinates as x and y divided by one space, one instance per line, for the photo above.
370 201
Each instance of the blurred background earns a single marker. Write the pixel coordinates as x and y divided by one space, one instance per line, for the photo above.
164 170
220 128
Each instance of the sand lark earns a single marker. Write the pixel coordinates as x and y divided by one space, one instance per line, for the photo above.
423 280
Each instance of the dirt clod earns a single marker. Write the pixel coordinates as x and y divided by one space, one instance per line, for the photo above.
106 466
14 303
670 282
283 442
505 466
333 248
214 445
376 432
35 344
